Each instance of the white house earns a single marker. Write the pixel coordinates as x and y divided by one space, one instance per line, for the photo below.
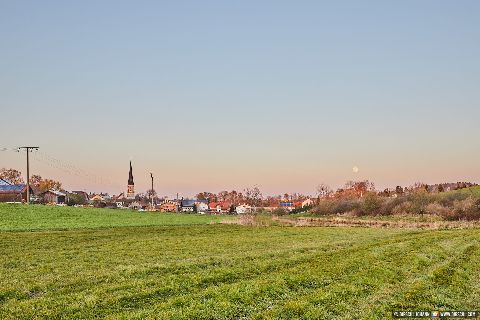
243 208
307 203
201 207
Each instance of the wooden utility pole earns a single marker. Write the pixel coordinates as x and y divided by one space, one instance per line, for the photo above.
151 193
28 149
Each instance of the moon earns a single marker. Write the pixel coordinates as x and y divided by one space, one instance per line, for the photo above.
355 169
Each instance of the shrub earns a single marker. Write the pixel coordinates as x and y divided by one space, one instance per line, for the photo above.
346 205
419 202
324 207
466 209
371 204
280 212
300 210
437 209
402 208
328 207
389 206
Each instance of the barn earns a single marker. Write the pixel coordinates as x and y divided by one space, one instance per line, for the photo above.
13 192
54 196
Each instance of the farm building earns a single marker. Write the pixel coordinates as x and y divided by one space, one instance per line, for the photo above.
54 196
13 192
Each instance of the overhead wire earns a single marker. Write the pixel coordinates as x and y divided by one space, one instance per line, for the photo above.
72 169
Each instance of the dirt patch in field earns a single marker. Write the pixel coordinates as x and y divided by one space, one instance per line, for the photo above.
341 222
250 220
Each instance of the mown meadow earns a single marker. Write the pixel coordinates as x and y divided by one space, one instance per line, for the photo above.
189 267
40 217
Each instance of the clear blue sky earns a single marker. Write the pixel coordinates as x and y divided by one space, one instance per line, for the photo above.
213 95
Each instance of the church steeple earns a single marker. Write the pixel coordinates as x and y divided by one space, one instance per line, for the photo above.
131 185
130 176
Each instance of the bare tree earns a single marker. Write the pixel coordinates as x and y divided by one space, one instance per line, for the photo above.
253 196
151 193
323 190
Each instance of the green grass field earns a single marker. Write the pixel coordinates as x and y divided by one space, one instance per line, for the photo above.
39 217
183 267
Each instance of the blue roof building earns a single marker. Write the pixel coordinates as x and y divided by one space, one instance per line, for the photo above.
13 192
4 182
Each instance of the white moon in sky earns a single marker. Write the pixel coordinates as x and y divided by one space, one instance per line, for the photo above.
355 169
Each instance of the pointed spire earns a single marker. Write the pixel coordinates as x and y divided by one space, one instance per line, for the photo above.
130 176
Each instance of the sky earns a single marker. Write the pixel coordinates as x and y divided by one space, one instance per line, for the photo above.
222 95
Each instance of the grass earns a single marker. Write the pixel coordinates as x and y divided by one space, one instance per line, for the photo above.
39 217
203 271
472 191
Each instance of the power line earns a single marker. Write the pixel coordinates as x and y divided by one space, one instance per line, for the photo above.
72 169
64 166
10 149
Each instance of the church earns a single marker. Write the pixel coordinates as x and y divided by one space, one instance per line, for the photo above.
131 184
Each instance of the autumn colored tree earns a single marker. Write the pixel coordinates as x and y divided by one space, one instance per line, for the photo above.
36 180
360 188
211 197
222 196
49 184
11 175
44 184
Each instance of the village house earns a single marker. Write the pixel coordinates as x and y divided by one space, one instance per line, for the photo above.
135 205
169 206
201 207
96 197
82 194
287 205
214 207
121 201
221 207
228 207
187 205
307 203
243 209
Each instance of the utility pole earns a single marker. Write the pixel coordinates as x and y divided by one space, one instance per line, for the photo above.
151 194
28 149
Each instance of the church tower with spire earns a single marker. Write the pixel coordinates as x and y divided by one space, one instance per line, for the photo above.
131 185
